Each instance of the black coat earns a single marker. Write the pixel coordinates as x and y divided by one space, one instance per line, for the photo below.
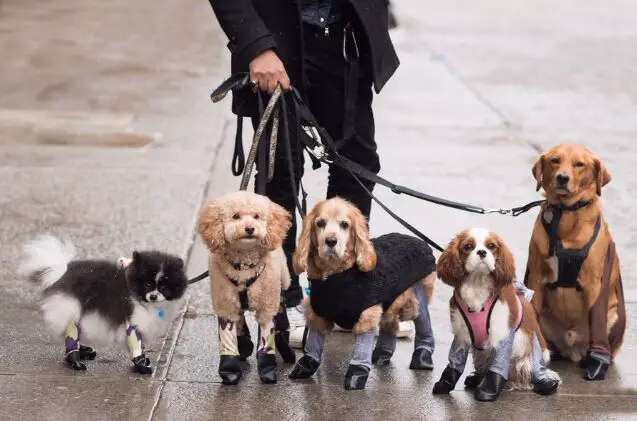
253 26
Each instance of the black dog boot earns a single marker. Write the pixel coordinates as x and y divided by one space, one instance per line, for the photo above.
246 347
545 386
596 366
229 369
304 368
490 387
447 381
142 365
282 344
266 365
356 377
381 356
87 353
73 358
472 381
421 360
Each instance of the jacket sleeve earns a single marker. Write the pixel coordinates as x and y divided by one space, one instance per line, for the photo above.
247 34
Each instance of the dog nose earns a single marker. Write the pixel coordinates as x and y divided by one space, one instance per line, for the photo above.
331 241
562 178
482 253
249 230
153 297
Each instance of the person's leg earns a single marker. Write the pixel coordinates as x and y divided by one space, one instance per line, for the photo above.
424 343
290 319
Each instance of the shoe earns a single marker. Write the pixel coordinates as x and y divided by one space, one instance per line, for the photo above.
337 328
472 381
304 368
266 366
447 381
405 329
296 318
596 366
142 365
490 387
421 360
356 377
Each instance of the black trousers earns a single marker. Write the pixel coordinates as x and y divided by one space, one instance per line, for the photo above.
325 79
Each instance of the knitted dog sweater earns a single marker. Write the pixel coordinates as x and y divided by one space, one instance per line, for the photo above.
402 261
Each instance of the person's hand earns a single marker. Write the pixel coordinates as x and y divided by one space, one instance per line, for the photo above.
267 71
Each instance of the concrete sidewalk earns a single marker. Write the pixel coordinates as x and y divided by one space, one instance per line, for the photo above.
482 89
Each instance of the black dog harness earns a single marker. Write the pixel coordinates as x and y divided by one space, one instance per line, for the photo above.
569 261
243 294
402 261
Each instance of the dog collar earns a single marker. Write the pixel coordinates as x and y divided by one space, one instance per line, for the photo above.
242 266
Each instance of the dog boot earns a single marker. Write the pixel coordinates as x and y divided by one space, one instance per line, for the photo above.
596 366
282 342
384 349
356 377
229 369
473 380
246 347
546 386
87 353
266 365
421 360
490 387
142 365
304 368
447 381
73 358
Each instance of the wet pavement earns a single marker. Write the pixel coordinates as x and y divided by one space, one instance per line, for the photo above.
107 134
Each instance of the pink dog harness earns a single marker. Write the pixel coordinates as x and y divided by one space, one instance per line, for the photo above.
478 321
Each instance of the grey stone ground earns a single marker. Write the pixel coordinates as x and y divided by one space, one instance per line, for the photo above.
483 87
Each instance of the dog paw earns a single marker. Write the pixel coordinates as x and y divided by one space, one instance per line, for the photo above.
356 377
490 387
230 369
266 366
546 387
87 353
73 358
447 381
142 365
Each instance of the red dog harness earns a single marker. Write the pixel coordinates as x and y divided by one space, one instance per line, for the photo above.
478 321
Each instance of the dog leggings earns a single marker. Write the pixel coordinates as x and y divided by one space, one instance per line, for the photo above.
72 338
228 337
266 339
134 341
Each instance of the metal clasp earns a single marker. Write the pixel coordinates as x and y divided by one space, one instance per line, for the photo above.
499 211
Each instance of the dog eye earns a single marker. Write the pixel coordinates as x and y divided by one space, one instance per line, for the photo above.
468 246
491 246
555 160
344 225
320 223
148 285
235 216
256 216
579 164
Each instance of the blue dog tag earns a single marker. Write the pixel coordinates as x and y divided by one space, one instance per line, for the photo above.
161 314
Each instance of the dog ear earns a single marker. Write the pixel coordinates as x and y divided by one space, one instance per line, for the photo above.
538 170
304 244
210 226
279 222
450 269
364 249
504 272
602 175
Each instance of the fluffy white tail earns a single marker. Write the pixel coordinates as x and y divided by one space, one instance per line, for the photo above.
46 259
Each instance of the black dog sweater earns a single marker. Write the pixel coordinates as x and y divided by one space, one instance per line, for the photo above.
402 261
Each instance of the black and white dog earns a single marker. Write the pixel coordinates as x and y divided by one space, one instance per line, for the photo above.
98 301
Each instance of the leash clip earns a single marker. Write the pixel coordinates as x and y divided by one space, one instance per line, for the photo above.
499 211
